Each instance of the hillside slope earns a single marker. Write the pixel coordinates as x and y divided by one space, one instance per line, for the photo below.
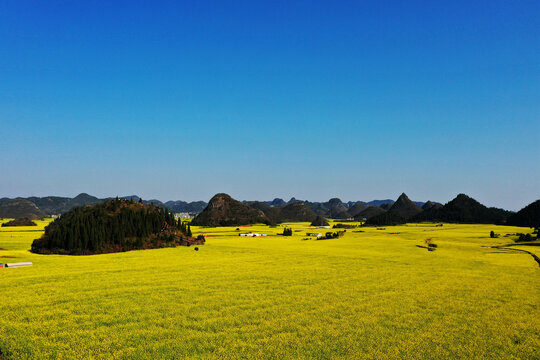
19 208
223 210
528 216
463 209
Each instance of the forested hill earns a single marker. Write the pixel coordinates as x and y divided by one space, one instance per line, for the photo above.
112 226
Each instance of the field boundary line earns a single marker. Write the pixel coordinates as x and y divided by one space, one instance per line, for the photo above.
507 247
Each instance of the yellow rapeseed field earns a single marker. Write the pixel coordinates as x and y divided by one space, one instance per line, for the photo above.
369 294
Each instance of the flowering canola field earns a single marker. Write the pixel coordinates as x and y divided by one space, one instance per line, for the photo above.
372 293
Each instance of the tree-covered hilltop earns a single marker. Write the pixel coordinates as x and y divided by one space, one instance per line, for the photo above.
528 216
112 226
20 222
463 210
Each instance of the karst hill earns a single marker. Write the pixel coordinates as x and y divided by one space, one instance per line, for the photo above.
112 226
223 210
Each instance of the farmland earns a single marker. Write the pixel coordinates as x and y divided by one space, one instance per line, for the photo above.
368 294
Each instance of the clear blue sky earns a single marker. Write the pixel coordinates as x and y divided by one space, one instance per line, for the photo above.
359 99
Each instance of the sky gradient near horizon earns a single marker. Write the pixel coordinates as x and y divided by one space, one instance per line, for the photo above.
312 99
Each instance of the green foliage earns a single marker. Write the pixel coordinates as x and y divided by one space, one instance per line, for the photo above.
115 225
524 237
287 232
333 235
387 218
20 222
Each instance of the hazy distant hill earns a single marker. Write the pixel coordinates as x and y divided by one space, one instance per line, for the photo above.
276 202
293 199
333 208
369 212
528 216
338 210
54 205
429 204
296 211
137 199
400 212
18 208
379 202
273 213
84 199
386 206
179 206
357 208
318 208
223 210
463 209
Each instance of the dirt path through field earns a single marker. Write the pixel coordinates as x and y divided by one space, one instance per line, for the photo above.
503 247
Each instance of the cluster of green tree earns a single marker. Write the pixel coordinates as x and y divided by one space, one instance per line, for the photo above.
287 232
111 226
430 245
185 227
387 218
524 237
20 222
333 235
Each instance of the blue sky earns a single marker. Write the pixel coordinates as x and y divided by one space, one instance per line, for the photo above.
357 100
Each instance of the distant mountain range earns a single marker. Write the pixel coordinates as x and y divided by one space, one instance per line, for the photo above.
56 205
465 210
462 209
